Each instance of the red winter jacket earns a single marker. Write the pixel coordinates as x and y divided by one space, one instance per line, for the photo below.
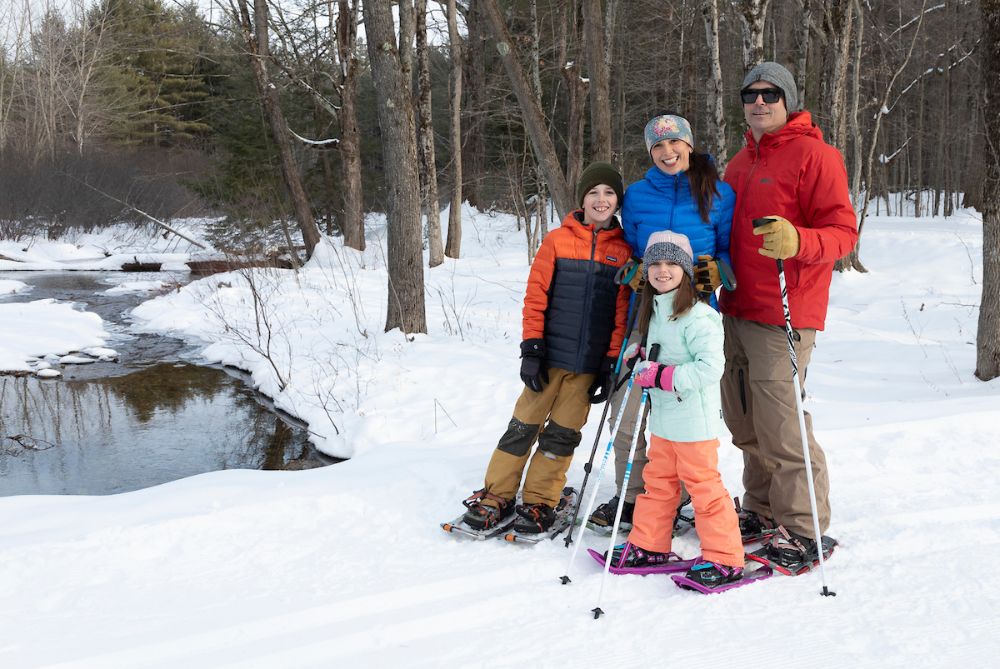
795 174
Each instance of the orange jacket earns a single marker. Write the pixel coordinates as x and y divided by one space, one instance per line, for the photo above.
572 301
795 174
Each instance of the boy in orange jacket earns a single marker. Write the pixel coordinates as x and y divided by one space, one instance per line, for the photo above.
573 327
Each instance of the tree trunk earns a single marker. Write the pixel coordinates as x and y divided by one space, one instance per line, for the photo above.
353 216
752 15
988 333
428 183
534 120
716 108
453 248
399 153
255 36
600 81
805 30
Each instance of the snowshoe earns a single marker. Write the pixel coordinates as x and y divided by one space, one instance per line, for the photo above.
709 577
483 521
527 529
603 516
792 554
628 558
533 518
753 526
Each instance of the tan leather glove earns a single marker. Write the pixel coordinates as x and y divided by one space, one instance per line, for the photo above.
706 276
781 239
638 280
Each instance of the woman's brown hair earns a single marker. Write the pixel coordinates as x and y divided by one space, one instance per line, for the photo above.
684 299
703 176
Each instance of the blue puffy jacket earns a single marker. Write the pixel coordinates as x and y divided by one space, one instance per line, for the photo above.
664 202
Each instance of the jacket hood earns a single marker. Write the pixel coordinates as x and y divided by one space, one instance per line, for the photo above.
800 124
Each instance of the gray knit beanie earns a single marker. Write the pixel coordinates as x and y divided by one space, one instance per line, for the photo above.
776 74
667 246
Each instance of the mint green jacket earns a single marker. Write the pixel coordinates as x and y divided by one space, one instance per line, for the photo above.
693 344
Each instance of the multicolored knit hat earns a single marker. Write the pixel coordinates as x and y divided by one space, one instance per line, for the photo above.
668 126
667 246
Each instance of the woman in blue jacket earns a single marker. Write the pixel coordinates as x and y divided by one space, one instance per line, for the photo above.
682 193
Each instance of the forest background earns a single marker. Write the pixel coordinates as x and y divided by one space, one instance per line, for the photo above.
287 118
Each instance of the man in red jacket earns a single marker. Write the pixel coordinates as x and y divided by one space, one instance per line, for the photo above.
787 173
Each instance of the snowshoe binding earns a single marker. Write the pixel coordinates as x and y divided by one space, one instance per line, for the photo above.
709 577
487 516
753 526
535 522
792 554
628 558
603 516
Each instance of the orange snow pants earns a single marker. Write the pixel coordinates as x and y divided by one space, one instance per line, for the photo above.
696 463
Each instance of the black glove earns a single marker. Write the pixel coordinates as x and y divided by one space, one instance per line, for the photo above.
533 370
605 381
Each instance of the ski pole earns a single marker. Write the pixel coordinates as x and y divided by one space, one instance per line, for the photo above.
654 353
600 475
600 426
826 592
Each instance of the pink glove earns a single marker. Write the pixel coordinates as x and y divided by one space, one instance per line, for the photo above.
654 375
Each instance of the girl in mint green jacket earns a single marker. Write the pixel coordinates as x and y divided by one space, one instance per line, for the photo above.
684 421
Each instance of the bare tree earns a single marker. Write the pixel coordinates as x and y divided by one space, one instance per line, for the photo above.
988 334
600 81
255 36
399 150
534 120
453 248
752 14
716 108
353 216
425 141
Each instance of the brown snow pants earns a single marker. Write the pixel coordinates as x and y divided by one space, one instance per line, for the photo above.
563 406
759 407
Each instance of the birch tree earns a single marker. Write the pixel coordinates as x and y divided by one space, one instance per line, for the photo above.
715 101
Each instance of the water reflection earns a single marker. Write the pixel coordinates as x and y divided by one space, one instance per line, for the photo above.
156 424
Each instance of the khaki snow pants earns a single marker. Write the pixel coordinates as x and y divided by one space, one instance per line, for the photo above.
563 406
759 407
626 427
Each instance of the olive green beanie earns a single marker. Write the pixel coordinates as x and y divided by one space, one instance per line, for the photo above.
600 173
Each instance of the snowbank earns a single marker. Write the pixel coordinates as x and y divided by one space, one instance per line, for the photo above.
31 330
108 248
9 287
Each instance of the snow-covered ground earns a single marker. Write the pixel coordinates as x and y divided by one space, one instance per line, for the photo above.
346 565
107 248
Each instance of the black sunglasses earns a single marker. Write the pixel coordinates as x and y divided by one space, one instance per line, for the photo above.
770 95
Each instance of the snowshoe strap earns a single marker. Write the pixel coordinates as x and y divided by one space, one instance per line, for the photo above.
475 498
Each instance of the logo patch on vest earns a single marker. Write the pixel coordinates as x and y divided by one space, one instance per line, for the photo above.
611 258
765 180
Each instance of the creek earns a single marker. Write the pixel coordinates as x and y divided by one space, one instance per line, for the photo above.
155 415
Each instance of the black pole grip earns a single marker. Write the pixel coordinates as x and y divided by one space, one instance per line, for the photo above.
757 222
654 353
